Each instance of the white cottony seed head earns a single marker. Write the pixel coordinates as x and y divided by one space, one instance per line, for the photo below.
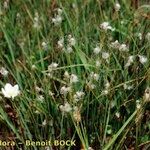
97 63
106 26
66 75
3 71
73 78
148 36
71 40
105 55
117 114
90 148
94 76
142 59
69 49
117 6
61 43
64 90
115 44
96 50
52 66
66 107
138 105
59 11
79 95
44 122
57 20
130 61
44 45
123 48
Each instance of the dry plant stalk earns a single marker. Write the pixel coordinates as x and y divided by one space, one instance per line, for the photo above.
140 112
135 4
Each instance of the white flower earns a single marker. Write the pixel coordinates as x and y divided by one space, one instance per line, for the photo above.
73 78
64 90
51 93
94 76
3 71
139 35
115 44
112 104
57 20
105 92
91 86
127 64
123 48
50 74
37 112
18 16
148 36
105 55
138 105
10 91
147 94
106 26
127 87
90 148
71 40
66 107
78 96
142 59
122 22
33 67
69 49
36 23
96 50
66 75
107 85
44 45
40 98
38 89
117 6
117 114
59 11
97 63
44 122
6 4
52 66
61 43
130 61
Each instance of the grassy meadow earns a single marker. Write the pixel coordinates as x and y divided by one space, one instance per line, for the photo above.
76 70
